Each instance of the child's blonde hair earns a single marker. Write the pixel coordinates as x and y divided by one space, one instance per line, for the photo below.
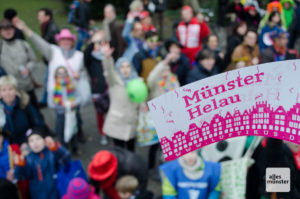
127 183
8 80
135 5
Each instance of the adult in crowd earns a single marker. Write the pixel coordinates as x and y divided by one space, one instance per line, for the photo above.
122 117
252 16
278 51
246 54
20 114
288 12
61 55
236 9
204 66
11 14
179 64
113 29
20 66
93 61
294 30
107 166
235 39
274 23
146 59
48 31
82 19
158 7
212 43
133 34
190 33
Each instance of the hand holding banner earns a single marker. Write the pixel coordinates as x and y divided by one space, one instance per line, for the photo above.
261 100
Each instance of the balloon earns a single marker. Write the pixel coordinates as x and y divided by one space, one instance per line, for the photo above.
137 90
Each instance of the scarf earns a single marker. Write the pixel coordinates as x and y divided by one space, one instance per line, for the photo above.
169 84
280 52
106 23
98 55
8 110
59 87
43 27
68 53
193 172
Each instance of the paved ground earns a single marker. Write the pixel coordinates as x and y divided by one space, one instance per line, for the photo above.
90 128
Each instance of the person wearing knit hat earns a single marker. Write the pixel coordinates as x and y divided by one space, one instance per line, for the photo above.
41 164
10 14
107 166
190 33
79 189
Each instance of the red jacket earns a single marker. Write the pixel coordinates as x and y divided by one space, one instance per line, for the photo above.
191 36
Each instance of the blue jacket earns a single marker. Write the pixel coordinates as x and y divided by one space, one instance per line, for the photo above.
132 43
40 170
182 187
4 159
19 118
264 37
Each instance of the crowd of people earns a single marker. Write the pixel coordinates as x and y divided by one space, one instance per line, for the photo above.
97 66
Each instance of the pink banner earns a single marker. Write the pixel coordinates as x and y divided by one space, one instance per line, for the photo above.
260 100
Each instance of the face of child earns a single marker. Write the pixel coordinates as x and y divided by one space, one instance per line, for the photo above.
190 158
147 20
276 18
208 63
152 42
165 73
175 51
213 42
36 143
138 30
125 69
125 195
286 5
8 94
61 73
242 29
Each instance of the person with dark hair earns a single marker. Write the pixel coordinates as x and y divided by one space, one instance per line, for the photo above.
236 8
179 64
11 14
274 23
278 51
8 190
252 17
212 43
41 164
190 33
113 31
234 40
20 66
204 66
48 27
246 54
48 31
82 19
147 58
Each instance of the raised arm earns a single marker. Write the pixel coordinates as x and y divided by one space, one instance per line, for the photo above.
42 46
109 65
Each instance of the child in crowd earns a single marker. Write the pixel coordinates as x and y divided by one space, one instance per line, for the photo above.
180 177
93 60
41 164
121 120
64 94
79 189
147 22
127 187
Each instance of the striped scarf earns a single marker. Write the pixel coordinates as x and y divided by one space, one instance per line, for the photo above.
58 91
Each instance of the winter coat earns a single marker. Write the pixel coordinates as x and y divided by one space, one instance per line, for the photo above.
82 16
5 159
117 42
219 61
122 117
132 43
155 82
191 35
199 72
232 42
252 21
14 55
264 38
270 55
180 186
145 60
181 68
20 117
49 32
95 70
243 53
54 55
288 14
40 169
274 154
